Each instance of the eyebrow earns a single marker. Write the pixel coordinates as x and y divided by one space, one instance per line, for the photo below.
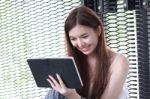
80 35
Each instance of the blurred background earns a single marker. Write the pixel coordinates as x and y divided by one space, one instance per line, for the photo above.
35 28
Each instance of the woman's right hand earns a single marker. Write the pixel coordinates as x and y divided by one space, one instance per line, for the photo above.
62 89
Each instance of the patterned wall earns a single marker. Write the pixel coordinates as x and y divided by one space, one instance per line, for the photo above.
120 26
29 29
142 25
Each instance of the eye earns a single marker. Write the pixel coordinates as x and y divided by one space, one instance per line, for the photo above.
85 36
72 39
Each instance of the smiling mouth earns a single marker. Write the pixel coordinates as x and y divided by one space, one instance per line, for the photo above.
84 49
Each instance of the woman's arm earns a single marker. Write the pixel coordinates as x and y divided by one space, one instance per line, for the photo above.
118 74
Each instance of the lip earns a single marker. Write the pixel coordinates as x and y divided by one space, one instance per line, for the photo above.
84 49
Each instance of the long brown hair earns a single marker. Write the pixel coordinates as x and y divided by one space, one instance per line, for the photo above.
84 16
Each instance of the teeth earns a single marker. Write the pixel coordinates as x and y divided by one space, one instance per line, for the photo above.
84 49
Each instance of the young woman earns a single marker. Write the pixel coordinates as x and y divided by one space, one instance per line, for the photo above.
102 70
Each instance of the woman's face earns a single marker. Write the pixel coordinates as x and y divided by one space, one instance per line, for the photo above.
84 38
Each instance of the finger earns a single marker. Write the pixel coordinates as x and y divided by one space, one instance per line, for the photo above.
54 81
53 86
60 80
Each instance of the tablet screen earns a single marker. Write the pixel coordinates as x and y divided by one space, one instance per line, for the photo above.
65 67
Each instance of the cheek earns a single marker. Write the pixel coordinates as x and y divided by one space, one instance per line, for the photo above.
93 41
89 40
96 41
73 44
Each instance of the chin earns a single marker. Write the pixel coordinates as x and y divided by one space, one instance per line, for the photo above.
86 53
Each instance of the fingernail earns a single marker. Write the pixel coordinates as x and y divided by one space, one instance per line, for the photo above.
47 79
49 76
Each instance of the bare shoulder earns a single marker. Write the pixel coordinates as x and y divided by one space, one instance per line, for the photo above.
119 61
122 57
115 56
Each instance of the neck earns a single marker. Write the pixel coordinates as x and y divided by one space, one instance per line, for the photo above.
92 55
91 61
92 67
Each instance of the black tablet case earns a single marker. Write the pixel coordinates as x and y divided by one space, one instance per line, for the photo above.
65 67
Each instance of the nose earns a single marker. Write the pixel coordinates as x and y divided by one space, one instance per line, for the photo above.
80 43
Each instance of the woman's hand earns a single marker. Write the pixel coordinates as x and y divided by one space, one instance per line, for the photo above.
62 89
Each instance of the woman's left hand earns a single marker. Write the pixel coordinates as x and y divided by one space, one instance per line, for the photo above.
61 87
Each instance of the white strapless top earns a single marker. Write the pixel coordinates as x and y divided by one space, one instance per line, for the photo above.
124 94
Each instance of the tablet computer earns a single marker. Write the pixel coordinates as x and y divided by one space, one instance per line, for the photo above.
65 67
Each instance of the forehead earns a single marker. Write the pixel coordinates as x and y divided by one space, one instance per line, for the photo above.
80 30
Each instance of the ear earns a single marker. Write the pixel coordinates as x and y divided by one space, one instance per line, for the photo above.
99 30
